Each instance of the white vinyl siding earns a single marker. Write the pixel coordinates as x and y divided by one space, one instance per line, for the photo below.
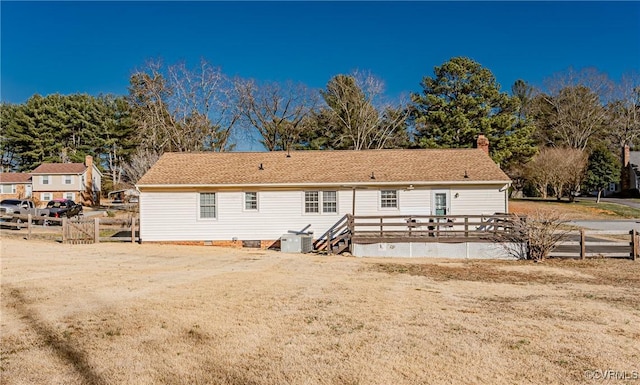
279 212
477 201
283 210
57 182
207 206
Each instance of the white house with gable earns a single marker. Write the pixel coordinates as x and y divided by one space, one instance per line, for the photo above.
224 198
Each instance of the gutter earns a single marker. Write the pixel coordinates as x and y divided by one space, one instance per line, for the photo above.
415 184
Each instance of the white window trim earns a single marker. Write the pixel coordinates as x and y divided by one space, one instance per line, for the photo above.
73 196
43 195
320 202
11 188
48 179
397 208
215 203
304 202
244 202
64 179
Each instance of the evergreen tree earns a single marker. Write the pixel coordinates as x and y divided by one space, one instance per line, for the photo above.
463 100
11 147
603 168
58 128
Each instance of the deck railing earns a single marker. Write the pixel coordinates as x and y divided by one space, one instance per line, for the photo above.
428 228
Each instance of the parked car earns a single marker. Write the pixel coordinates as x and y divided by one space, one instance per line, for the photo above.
59 208
11 208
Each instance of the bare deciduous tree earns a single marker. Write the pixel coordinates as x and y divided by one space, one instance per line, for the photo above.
561 169
358 112
624 111
276 111
570 113
139 164
182 109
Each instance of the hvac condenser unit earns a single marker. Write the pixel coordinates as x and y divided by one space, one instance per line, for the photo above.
296 243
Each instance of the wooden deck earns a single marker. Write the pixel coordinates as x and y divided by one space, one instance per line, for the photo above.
428 228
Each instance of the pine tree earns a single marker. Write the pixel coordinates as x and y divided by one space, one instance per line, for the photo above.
463 100
603 168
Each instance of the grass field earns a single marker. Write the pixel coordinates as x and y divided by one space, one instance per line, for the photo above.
155 314
581 209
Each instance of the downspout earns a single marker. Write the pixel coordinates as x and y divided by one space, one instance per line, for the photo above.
506 200
506 197
353 201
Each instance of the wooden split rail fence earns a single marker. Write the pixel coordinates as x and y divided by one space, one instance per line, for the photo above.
81 230
594 243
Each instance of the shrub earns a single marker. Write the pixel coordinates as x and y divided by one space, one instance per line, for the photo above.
534 236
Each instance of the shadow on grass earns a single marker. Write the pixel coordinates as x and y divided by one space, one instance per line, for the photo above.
72 356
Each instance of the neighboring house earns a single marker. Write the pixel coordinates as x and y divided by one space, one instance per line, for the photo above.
223 198
630 173
76 181
15 185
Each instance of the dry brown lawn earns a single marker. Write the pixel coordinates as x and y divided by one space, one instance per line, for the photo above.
573 211
153 314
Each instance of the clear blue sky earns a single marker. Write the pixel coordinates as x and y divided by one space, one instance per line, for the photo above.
93 47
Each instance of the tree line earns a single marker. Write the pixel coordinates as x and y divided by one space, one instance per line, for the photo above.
581 118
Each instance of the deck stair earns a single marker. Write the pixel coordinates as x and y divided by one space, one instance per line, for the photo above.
337 239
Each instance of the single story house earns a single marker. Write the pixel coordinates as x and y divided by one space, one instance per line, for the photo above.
15 185
224 198
79 182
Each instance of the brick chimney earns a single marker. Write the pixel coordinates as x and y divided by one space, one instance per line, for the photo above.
483 143
88 186
625 177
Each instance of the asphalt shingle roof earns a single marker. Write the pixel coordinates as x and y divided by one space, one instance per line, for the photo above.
323 167
14 177
60 168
